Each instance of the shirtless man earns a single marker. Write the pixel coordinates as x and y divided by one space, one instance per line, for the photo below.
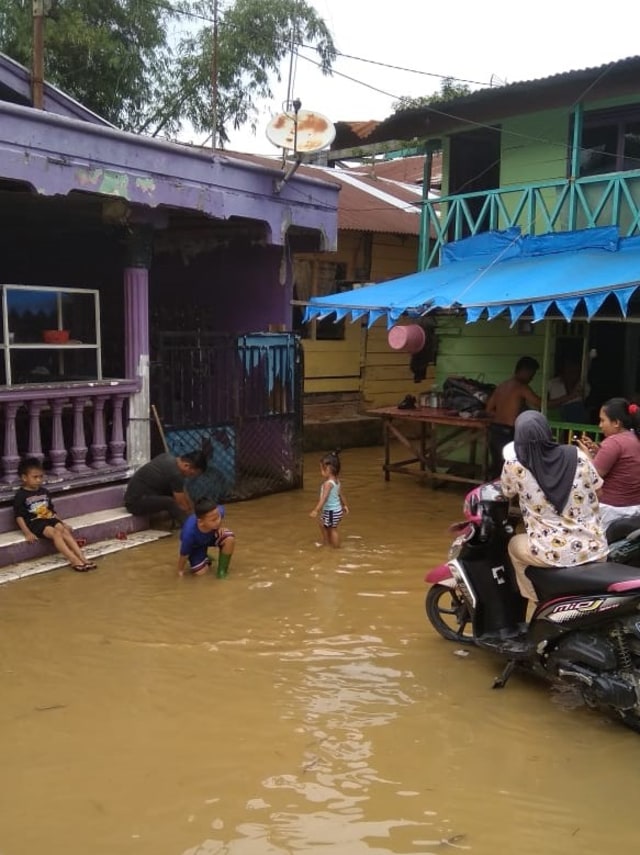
504 406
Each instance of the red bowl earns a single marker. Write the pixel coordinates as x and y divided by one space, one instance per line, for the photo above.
55 336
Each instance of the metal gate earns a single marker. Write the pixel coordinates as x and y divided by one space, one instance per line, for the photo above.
239 399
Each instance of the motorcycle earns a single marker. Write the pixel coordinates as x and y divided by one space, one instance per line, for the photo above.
585 630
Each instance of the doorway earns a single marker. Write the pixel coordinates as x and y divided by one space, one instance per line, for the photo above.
474 165
613 366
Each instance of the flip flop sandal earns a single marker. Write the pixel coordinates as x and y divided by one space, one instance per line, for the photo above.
81 568
91 565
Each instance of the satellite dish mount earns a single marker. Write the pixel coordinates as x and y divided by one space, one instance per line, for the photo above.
302 132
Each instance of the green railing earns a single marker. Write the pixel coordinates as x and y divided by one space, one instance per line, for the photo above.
547 206
565 431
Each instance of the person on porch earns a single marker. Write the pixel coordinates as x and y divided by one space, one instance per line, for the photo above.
504 406
567 393
159 485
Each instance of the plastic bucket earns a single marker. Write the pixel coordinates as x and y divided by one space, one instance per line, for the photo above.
409 338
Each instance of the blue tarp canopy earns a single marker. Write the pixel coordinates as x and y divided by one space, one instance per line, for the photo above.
496 272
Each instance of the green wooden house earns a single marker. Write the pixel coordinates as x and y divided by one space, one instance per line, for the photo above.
556 154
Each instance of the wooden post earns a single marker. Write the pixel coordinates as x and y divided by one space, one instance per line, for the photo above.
546 354
37 65
214 77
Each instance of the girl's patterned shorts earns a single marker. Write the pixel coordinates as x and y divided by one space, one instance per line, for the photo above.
330 519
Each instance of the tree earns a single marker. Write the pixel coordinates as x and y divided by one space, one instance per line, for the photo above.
111 55
448 91
121 58
254 36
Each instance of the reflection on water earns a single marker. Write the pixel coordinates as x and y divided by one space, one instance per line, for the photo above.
302 706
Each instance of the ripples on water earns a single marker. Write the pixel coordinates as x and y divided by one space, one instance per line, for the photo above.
301 706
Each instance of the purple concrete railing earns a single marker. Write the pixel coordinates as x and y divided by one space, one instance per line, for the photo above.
76 430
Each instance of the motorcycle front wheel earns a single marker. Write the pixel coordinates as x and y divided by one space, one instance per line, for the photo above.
449 614
630 719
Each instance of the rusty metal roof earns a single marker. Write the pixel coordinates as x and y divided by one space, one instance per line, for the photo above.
409 170
365 203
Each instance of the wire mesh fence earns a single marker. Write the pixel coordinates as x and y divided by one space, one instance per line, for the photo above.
237 398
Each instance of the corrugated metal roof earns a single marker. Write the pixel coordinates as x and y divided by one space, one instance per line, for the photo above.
617 78
364 129
365 204
409 170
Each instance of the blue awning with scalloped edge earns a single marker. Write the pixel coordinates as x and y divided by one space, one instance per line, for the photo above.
503 272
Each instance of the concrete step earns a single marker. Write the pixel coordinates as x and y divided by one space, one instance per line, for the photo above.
107 524
70 504
53 561
353 432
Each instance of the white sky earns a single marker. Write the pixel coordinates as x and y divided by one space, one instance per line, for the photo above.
468 39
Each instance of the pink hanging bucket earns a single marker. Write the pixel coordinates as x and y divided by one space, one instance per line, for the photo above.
409 338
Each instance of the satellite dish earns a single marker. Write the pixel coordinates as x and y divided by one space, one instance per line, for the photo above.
305 131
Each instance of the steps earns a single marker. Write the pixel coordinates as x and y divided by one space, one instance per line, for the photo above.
54 561
96 516
333 420
109 524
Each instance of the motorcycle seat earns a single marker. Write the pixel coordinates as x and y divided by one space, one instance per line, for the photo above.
592 578
621 528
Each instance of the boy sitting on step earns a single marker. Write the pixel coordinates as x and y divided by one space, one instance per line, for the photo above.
36 517
200 532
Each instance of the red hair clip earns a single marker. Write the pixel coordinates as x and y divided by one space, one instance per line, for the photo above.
632 409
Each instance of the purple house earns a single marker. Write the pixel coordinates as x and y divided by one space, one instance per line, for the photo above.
137 272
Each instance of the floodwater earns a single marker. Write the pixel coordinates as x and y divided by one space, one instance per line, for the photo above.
303 705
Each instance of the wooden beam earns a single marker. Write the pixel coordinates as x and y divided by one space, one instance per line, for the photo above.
411 147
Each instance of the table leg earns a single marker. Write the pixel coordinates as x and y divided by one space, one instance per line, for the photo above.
485 457
473 447
433 447
387 455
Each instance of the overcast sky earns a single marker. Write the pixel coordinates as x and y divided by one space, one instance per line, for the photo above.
487 42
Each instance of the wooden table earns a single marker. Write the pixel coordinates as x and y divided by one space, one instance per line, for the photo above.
432 449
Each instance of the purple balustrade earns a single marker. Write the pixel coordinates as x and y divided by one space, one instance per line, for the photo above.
78 431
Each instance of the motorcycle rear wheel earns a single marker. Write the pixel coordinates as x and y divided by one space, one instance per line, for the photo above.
449 614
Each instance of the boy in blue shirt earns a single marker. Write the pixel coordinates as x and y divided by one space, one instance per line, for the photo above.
201 531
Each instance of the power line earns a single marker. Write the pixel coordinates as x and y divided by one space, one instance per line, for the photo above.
565 146
403 68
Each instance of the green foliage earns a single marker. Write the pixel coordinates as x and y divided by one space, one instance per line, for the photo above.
254 36
146 65
109 54
448 91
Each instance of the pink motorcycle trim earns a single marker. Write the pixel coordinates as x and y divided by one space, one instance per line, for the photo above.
627 585
438 574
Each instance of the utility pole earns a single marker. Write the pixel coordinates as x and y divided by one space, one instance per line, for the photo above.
37 65
214 78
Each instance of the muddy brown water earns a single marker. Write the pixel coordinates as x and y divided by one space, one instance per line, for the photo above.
303 705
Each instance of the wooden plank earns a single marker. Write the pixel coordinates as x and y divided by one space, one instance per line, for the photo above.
331 384
329 364
393 359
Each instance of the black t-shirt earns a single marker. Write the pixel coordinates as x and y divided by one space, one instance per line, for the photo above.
33 505
158 477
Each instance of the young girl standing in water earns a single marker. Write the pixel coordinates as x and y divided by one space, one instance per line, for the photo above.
331 505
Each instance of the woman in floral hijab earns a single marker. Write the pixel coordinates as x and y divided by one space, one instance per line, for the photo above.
556 486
